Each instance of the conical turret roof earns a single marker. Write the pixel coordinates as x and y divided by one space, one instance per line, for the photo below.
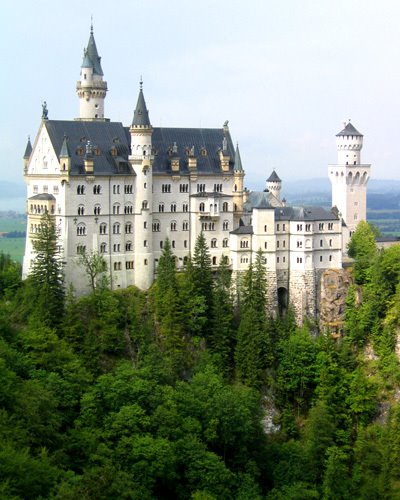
65 152
274 177
91 57
238 160
349 129
28 149
141 114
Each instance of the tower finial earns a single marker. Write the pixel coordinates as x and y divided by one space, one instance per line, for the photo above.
141 82
91 24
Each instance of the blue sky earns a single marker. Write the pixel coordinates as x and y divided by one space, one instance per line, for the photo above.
285 73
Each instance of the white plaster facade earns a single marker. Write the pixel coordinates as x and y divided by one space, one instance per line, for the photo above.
122 191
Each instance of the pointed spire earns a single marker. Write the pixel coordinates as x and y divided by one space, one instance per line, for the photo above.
349 129
91 57
238 160
28 149
141 114
274 177
65 152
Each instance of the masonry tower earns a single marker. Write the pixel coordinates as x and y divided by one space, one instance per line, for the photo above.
91 88
349 179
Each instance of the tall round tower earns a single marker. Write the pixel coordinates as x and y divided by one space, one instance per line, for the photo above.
141 159
91 88
349 179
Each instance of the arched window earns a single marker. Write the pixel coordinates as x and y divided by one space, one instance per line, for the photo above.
128 228
185 225
80 189
103 228
156 226
225 225
103 248
173 207
225 206
173 225
81 230
128 246
97 210
214 261
201 207
116 208
145 205
96 189
225 242
214 243
116 228
81 210
81 249
161 207
244 243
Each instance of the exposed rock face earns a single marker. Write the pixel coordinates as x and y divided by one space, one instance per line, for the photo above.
271 412
334 285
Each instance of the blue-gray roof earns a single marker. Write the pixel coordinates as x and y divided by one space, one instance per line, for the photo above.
141 114
273 177
304 214
238 160
65 152
28 150
205 143
111 147
349 129
260 199
91 57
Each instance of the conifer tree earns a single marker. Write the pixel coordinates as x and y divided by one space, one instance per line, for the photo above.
253 349
203 277
168 308
222 325
47 278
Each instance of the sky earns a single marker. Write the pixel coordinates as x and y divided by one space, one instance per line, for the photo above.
286 74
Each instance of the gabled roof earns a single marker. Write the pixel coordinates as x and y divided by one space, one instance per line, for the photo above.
141 114
304 214
111 147
273 177
349 129
109 140
91 57
205 143
261 199
28 149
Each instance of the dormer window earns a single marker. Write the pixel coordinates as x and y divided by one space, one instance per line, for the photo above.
113 151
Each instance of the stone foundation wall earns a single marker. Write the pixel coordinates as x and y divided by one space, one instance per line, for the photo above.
334 284
303 294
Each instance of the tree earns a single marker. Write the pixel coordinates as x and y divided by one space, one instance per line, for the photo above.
222 327
203 277
362 248
95 267
253 349
47 278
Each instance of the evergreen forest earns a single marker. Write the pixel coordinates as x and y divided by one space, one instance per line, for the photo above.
192 390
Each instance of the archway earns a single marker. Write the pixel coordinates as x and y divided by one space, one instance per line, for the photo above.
282 301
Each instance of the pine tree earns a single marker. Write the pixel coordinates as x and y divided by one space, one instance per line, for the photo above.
222 325
253 349
47 278
203 278
168 308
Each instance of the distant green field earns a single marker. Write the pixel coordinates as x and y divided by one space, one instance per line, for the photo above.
14 247
12 224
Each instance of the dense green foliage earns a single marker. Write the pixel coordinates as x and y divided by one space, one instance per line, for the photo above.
165 394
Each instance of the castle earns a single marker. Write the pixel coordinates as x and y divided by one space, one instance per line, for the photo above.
121 191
